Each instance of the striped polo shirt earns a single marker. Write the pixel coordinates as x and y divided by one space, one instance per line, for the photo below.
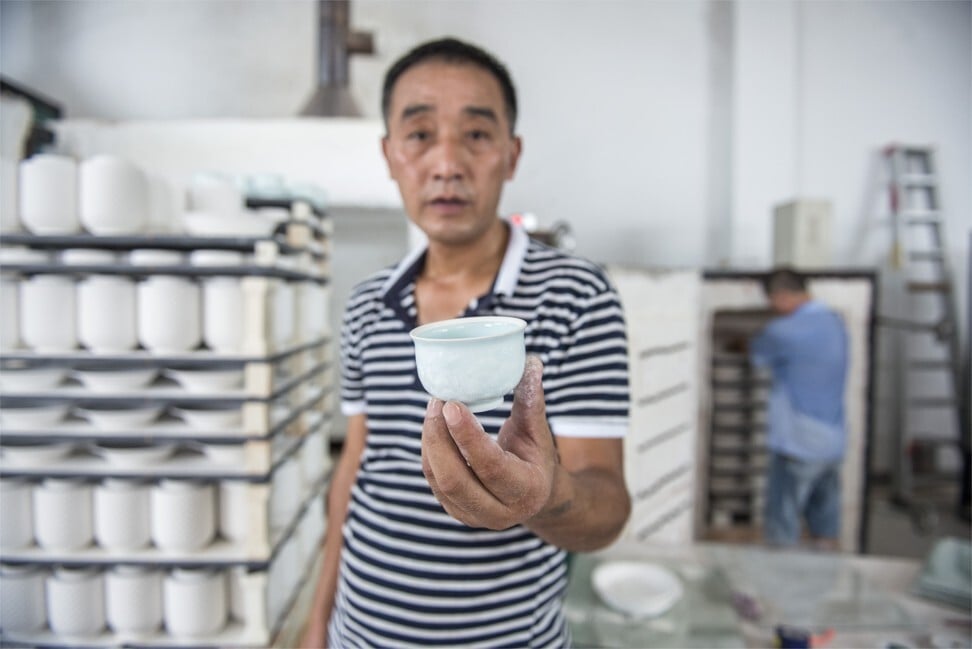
411 575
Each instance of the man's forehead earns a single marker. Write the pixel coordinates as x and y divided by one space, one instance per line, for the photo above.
434 85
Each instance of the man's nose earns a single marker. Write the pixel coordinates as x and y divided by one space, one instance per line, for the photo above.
449 163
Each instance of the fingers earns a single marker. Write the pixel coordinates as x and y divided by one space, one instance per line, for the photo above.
473 478
453 483
510 479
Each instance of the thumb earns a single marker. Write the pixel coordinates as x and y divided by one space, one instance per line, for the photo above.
529 391
529 409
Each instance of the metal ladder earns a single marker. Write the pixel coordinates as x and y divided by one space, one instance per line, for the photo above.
926 349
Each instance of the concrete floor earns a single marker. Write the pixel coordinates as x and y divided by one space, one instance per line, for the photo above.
893 532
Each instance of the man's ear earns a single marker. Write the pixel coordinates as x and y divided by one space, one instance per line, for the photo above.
514 160
384 152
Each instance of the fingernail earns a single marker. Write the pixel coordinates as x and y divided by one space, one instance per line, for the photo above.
451 413
430 408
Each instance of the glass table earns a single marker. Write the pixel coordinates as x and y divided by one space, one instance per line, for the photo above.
736 596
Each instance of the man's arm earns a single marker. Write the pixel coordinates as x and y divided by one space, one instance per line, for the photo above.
338 497
589 503
577 501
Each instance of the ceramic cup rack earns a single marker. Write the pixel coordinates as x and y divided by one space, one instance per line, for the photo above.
166 476
737 446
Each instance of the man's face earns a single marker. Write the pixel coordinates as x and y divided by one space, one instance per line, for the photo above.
449 148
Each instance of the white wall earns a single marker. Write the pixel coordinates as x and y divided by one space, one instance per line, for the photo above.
662 131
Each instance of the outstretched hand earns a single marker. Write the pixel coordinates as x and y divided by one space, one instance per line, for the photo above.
487 483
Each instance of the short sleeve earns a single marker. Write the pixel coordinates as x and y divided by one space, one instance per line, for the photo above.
586 380
352 387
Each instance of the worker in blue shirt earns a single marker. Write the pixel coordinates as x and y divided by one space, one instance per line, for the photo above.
805 348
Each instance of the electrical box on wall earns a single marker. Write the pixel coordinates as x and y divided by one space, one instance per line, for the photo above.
802 233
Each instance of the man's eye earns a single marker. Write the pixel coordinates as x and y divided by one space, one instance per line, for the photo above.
478 135
419 136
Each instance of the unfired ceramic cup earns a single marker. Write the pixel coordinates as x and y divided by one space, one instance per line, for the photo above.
475 360
22 604
16 514
121 514
62 514
234 504
183 515
47 313
222 306
195 602
76 602
133 599
48 194
113 196
106 314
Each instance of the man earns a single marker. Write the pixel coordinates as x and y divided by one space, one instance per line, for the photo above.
806 350
455 526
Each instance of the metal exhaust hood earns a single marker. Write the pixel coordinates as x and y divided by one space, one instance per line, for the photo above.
336 43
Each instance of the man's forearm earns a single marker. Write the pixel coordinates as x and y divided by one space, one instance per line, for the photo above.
320 611
586 511
338 498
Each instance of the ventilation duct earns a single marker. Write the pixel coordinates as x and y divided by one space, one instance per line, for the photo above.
336 43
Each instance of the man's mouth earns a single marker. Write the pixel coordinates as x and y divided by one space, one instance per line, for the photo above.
448 201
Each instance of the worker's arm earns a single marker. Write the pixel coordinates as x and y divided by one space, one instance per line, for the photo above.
338 497
576 500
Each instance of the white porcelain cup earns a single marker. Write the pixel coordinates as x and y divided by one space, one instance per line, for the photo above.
106 314
62 514
183 515
223 314
195 602
9 313
22 603
76 602
133 599
16 514
169 318
121 514
47 313
113 196
48 194
234 508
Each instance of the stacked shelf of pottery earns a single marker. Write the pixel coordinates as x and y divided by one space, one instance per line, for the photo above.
164 413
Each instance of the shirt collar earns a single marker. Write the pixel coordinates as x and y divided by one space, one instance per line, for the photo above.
506 279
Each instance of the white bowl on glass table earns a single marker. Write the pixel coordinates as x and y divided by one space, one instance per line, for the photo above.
636 588
476 360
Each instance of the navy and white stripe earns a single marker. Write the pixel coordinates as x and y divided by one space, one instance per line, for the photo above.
411 575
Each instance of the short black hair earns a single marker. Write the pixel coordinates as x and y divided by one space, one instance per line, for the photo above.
784 278
451 50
